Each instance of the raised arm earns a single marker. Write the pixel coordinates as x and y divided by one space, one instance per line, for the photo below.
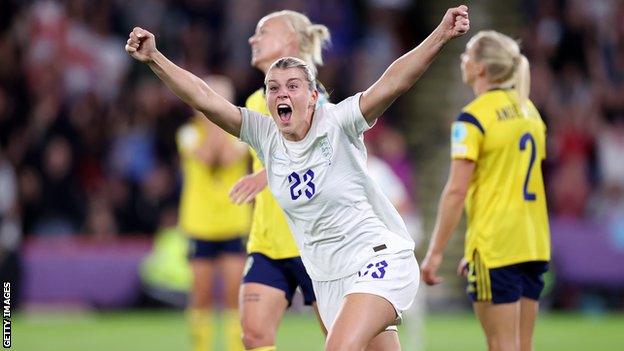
191 89
405 71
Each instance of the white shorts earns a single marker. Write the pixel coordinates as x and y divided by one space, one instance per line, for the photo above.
395 277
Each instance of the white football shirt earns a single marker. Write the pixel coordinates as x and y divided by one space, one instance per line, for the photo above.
338 215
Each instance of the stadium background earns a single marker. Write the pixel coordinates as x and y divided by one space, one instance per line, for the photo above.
89 135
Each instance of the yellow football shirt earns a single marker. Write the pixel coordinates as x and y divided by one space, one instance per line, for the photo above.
270 234
505 204
206 211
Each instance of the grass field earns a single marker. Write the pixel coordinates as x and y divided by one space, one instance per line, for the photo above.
160 331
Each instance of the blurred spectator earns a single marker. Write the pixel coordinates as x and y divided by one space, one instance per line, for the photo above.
610 146
389 145
100 221
61 210
391 168
156 193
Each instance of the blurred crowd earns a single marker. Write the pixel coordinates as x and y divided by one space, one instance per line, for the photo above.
87 135
576 49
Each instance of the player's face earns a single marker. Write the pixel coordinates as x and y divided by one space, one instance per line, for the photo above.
273 40
469 67
290 101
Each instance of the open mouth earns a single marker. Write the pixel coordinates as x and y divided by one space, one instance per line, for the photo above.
284 112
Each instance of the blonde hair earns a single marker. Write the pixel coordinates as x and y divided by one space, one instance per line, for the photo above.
312 37
293 62
505 65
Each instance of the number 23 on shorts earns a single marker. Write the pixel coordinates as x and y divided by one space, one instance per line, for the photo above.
377 270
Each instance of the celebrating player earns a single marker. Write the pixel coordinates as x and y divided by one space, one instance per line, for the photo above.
353 242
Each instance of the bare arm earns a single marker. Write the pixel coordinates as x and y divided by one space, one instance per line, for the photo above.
449 213
405 71
189 88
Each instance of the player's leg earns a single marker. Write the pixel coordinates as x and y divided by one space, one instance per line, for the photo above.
386 340
201 289
264 297
199 311
532 286
261 310
495 294
360 319
231 264
500 323
528 315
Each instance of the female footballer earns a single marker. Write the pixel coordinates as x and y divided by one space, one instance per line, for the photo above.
497 145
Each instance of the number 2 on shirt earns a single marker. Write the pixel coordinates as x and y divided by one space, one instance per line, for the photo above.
527 137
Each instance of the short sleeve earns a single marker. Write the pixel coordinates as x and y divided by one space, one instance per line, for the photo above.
466 137
350 116
255 130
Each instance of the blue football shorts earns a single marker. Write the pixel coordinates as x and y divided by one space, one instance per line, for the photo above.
505 284
211 249
284 274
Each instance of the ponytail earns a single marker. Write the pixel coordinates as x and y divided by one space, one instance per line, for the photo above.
522 79
318 36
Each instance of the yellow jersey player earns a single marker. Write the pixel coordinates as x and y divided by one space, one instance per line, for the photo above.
274 269
497 145
212 162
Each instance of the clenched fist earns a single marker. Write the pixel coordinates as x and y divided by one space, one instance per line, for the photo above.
455 22
141 44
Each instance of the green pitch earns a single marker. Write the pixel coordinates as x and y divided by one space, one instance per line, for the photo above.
156 331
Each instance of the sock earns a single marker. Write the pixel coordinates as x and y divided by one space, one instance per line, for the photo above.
233 331
201 326
264 348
